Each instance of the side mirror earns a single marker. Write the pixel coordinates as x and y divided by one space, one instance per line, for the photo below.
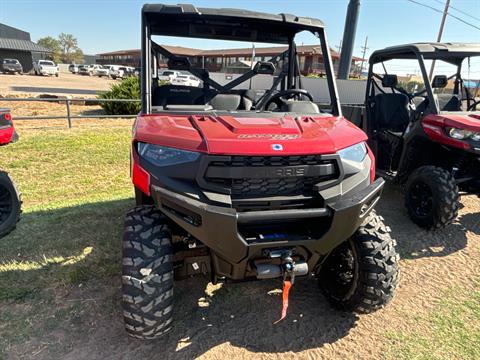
389 80
264 68
439 81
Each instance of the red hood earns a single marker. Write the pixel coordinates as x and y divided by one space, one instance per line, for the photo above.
228 134
461 121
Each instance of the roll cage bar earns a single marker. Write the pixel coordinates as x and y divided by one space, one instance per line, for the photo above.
229 24
453 53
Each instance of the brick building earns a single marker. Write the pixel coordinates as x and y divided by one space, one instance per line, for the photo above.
223 60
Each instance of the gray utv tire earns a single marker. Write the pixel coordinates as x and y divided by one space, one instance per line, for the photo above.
431 197
10 204
362 273
147 273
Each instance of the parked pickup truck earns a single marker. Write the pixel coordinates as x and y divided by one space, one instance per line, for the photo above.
45 67
168 75
89 70
11 66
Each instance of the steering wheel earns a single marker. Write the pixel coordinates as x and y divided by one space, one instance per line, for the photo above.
473 106
280 98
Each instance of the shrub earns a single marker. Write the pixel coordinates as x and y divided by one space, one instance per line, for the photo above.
129 88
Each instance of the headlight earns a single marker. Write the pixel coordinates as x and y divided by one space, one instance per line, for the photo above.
461 134
165 156
476 136
355 153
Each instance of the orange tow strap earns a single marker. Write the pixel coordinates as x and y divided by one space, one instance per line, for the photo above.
286 289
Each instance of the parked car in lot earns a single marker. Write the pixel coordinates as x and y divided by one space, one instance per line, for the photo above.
129 71
186 80
102 70
168 75
117 72
10 66
45 67
121 72
73 68
89 70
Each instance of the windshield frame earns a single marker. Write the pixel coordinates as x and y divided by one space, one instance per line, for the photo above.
150 66
455 59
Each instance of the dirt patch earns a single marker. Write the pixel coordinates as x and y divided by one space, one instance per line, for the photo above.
65 84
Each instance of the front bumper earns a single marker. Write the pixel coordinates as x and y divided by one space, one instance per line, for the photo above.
12 70
48 72
221 228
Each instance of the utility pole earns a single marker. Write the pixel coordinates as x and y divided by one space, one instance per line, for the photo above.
440 33
348 39
339 47
364 48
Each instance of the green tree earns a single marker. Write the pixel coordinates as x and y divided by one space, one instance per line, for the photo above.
411 86
77 56
68 42
53 45
69 48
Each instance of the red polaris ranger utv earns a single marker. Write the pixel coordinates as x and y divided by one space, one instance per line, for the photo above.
247 184
9 196
426 137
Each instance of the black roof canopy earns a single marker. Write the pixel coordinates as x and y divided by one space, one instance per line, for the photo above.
450 52
225 24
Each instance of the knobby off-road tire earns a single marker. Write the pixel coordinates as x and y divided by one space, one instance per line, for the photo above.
431 197
147 274
10 204
362 273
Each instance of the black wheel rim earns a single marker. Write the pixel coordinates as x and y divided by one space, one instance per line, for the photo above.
339 272
6 204
421 199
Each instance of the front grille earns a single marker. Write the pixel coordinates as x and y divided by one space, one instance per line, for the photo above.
249 177
242 161
247 188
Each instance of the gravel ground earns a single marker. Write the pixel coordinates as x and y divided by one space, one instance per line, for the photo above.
66 84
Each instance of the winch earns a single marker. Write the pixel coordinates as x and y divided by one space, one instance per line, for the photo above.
288 268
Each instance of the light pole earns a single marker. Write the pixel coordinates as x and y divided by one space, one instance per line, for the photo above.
348 39
440 33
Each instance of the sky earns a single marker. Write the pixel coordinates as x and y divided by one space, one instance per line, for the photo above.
109 25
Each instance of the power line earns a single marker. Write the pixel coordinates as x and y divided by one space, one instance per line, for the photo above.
364 48
441 12
460 11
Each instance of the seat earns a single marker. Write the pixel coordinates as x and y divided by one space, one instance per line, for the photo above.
177 95
392 112
448 102
227 102
251 97
301 107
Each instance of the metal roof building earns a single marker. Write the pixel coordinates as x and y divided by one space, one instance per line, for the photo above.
16 44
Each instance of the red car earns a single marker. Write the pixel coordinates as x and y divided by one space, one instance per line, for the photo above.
241 183
10 204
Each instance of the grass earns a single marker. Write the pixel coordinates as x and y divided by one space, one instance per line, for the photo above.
59 270
75 188
451 331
